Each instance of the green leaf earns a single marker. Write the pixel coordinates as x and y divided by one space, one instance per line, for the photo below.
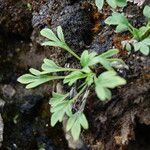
35 72
99 4
109 53
105 63
83 121
146 11
121 28
143 30
48 33
106 80
26 78
69 109
143 46
144 49
34 81
87 59
109 79
59 111
57 98
90 79
75 130
73 77
58 107
102 93
137 46
121 3
49 66
51 43
71 122
119 20
112 3
60 34
146 41
55 118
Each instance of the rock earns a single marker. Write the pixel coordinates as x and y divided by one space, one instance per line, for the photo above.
31 104
15 18
8 91
2 103
1 130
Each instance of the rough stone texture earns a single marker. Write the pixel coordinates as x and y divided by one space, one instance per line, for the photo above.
15 18
118 124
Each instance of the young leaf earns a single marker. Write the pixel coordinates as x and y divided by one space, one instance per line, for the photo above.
121 3
73 77
87 59
76 130
55 118
59 111
57 98
48 33
109 53
106 80
83 121
112 3
49 66
71 122
119 20
146 11
60 34
35 72
51 43
99 4
143 46
75 122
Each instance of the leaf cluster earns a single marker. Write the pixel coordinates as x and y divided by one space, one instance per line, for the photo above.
141 35
62 104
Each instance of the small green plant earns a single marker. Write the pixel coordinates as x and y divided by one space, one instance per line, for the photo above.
29 6
63 104
141 35
112 3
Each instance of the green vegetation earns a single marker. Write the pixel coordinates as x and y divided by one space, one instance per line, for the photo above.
62 104
141 35
111 3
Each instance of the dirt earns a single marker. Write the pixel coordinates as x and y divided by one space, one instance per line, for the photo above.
119 124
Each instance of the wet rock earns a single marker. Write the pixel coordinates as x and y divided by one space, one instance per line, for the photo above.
31 104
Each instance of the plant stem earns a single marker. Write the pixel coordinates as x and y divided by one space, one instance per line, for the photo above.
70 51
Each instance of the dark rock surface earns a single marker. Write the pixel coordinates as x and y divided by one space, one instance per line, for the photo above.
114 124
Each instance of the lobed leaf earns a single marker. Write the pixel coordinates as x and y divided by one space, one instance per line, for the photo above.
106 80
119 20
48 33
73 77
60 34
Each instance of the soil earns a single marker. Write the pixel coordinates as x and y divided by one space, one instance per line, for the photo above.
120 124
